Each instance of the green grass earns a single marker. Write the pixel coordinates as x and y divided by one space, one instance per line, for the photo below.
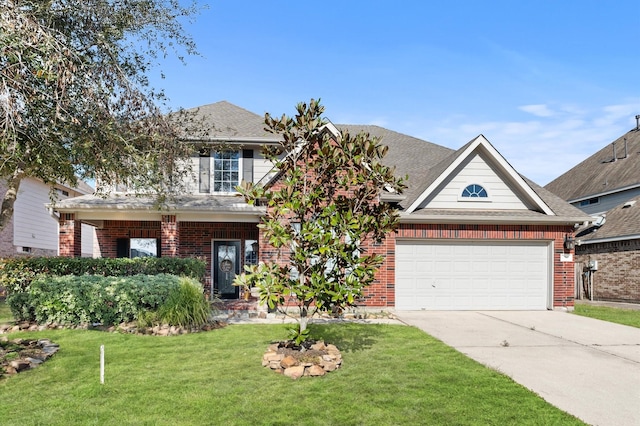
392 375
5 313
617 315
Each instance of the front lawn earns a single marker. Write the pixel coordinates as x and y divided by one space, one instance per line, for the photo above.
617 315
390 375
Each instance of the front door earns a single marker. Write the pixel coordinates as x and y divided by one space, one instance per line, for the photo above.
226 264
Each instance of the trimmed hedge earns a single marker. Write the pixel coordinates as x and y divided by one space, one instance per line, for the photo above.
17 273
73 300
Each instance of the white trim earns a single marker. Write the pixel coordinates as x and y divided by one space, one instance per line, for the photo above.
602 194
488 219
481 141
464 199
609 239
239 140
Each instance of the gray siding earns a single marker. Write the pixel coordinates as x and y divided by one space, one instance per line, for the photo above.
607 202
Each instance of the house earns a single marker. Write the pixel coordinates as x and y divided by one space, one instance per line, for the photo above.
33 230
607 186
474 234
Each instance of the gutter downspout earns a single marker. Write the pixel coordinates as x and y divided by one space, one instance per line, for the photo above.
53 214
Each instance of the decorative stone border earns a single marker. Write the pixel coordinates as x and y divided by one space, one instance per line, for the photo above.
296 361
130 328
29 354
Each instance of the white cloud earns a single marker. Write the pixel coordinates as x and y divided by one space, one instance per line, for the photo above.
539 110
544 148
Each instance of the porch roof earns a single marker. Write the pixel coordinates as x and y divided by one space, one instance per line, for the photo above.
181 204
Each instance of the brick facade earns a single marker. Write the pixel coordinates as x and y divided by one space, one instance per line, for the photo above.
177 239
618 275
169 236
70 236
382 292
113 230
194 239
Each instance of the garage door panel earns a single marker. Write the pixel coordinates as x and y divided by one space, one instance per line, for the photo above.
465 275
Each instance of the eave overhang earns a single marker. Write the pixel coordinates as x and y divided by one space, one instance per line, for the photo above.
608 239
235 140
482 219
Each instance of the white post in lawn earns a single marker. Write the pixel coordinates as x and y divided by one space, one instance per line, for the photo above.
102 364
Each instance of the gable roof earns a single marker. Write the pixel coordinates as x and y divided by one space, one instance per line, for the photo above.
425 164
601 173
447 167
621 223
227 122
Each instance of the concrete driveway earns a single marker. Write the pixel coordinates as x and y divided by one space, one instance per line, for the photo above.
586 367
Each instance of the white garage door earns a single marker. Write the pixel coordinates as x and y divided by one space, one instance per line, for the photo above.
472 275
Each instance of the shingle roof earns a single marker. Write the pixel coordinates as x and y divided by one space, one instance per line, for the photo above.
223 120
620 222
424 162
421 161
599 173
185 203
410 156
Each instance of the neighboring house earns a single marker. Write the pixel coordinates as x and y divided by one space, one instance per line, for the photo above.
607 186
33 230
474 234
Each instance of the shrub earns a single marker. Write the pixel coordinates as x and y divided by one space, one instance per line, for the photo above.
72 300
186 305
16 274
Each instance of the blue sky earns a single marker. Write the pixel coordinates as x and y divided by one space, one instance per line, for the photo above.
547 82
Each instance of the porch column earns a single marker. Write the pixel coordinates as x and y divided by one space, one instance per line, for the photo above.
70 236
170 239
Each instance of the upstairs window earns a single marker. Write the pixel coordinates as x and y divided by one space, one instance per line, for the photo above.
225 171
474 191
590 201
219 171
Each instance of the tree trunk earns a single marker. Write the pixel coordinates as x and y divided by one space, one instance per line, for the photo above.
304 319
13 185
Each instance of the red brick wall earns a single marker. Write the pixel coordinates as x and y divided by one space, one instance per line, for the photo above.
382 292
70 236
112 230
618 275
170 239
196 237
190 239
194 240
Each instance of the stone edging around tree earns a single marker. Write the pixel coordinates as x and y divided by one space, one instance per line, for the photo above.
314 359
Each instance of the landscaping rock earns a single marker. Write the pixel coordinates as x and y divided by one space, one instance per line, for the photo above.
294 372
288 362
20 365
130 327
315 370
329 366
18 355
314 359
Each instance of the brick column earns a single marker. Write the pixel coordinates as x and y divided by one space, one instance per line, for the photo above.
70 241
170 240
